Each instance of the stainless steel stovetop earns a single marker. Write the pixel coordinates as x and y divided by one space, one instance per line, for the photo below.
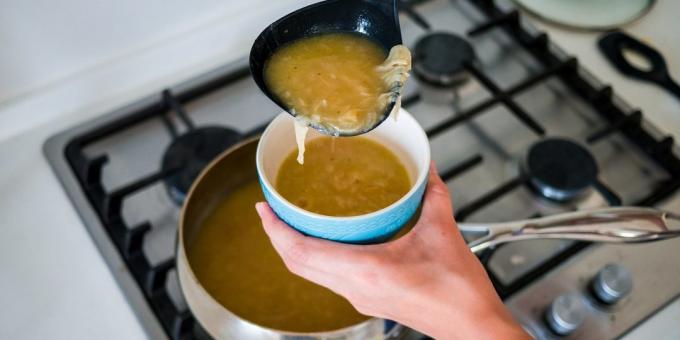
520 90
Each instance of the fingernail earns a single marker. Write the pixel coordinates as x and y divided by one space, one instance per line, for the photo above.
260 206
433 168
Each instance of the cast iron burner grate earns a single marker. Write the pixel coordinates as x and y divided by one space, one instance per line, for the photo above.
190 152
150 278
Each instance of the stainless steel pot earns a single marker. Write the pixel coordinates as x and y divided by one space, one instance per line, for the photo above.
236 166
231 169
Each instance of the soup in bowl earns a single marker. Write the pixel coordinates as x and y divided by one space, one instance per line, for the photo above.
405 140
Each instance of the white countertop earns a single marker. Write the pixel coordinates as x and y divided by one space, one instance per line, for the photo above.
658 29
54 283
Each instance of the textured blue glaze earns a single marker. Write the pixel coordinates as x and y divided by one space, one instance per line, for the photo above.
370 229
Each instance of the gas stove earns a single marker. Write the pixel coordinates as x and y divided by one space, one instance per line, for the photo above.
518 129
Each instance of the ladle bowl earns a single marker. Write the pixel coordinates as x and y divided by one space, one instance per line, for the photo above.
377 20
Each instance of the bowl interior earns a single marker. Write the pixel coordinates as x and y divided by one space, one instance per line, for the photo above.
377 20
404 137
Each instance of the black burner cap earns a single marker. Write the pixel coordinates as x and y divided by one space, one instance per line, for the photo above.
191 152
560 169
440 58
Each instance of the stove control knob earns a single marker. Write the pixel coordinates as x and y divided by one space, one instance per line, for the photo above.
612 283
566 313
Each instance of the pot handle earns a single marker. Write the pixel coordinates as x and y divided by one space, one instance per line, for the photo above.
615 225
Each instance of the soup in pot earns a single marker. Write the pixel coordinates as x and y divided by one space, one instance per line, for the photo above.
235 262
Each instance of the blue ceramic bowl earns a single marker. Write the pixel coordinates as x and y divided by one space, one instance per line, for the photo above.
403 136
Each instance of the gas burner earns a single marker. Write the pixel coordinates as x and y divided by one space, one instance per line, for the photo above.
560 169
190 153
440 59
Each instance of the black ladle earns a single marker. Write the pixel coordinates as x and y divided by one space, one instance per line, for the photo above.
377 20
612 46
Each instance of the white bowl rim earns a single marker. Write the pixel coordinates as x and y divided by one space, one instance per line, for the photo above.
422 176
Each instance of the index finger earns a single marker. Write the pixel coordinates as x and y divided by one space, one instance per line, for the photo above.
303 253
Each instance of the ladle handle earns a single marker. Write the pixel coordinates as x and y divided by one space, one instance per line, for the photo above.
618 225
672 86
613 45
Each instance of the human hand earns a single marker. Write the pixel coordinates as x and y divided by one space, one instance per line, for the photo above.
428 279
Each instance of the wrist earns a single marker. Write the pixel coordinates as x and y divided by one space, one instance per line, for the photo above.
496 323
482 322
464 311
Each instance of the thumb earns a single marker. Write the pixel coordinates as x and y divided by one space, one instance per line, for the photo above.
437 208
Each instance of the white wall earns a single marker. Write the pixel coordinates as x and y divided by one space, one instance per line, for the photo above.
82 58
46 41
